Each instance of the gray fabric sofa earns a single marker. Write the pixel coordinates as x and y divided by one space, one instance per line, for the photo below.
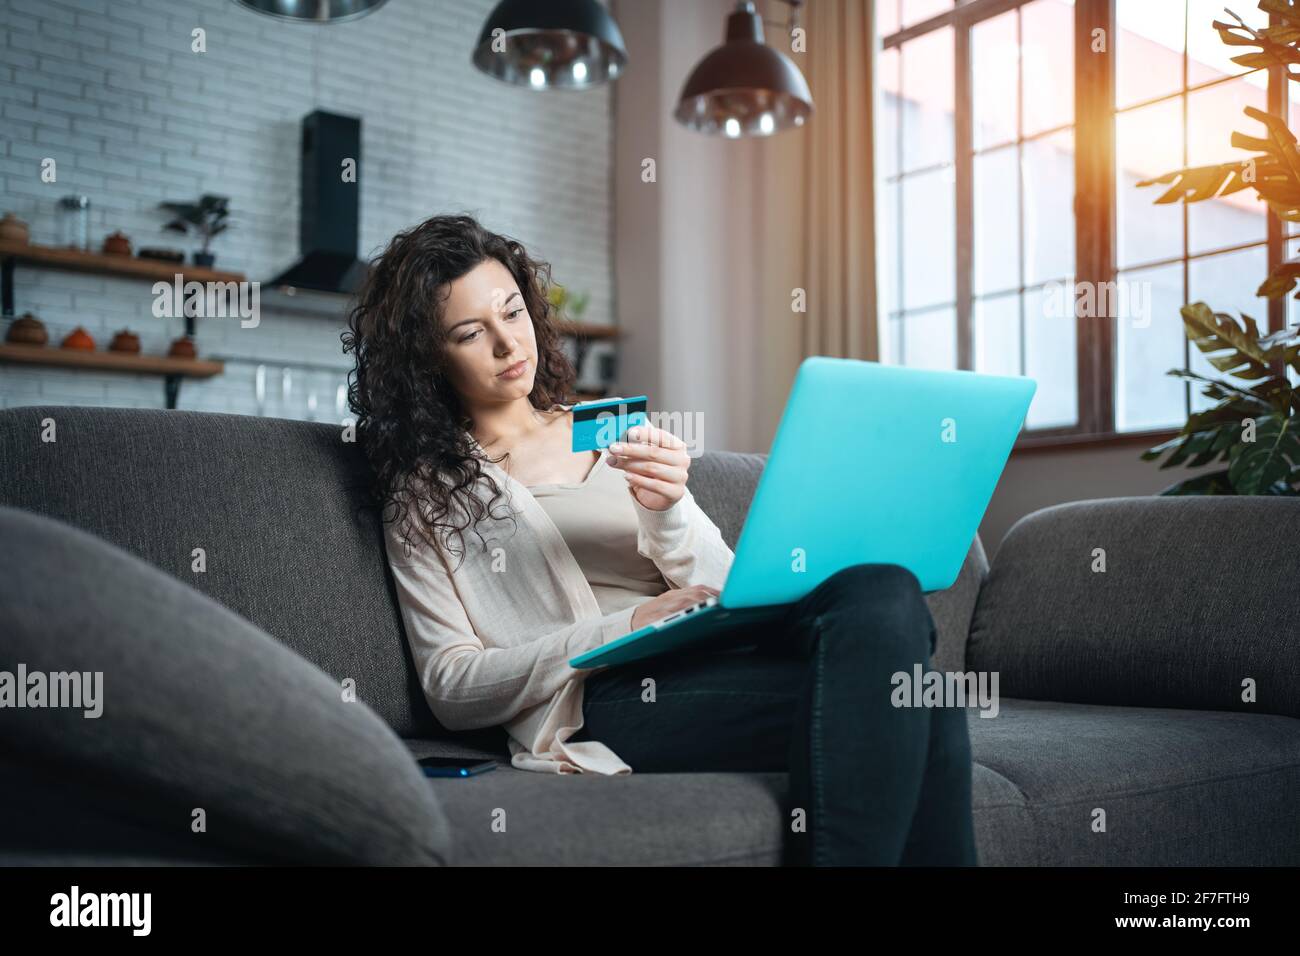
259 703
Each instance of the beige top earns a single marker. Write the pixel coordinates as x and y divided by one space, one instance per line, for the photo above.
598 522
491 638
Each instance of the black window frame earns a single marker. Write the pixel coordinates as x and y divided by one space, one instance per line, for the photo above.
1095 206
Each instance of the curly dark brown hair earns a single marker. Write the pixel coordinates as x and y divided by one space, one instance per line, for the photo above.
410 420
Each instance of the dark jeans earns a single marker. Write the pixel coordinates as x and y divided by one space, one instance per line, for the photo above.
810 694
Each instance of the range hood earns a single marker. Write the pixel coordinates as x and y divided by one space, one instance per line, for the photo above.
330 209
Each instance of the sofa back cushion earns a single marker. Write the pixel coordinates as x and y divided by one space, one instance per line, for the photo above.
272 503
275 506
1152 602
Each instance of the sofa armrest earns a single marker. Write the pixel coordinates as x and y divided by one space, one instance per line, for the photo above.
198 709
1197 601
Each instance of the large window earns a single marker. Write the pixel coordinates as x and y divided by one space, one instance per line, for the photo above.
984 233
919 291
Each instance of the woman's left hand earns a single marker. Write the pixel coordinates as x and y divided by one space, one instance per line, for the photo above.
655 463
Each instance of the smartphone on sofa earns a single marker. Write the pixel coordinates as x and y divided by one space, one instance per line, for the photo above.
454 766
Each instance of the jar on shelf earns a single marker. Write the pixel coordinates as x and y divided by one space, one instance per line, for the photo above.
74 222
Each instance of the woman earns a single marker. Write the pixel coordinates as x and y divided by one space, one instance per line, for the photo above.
459 387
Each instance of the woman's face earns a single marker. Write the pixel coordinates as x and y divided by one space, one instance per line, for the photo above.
489 331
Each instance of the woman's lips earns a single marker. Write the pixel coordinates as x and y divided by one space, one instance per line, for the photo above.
515 370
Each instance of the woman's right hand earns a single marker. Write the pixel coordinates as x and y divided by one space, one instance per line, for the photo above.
668 602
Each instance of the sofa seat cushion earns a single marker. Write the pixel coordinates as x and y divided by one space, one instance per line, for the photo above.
1178 787
523 818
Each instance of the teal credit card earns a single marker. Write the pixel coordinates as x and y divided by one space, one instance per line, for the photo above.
601 423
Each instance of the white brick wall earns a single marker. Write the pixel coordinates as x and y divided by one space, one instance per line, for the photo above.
112 92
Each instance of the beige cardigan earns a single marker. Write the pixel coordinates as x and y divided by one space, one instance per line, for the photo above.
492 638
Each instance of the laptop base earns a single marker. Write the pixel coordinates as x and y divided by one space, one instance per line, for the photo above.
701 630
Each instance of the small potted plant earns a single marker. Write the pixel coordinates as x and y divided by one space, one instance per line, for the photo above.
569 306
207 218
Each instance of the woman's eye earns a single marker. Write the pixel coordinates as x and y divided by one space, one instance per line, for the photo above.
475 334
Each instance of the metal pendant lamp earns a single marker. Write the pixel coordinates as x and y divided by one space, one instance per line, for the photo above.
551 44
313 11
744 87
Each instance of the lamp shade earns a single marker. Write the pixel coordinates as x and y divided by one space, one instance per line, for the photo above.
313 11
551 44
744 87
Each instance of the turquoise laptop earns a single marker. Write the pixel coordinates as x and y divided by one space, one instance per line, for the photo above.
871 463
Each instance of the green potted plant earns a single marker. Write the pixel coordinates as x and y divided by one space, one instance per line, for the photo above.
207 218
1253 427
569 306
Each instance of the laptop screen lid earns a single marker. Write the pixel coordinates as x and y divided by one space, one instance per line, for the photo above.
875 463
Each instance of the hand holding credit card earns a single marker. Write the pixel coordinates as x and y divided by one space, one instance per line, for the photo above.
600 423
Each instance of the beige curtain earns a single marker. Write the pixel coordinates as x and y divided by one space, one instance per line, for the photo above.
815 225
839 244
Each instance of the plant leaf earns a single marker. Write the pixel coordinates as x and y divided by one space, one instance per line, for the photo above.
1232 409
1151 454
1215 449
1281 186
1274 173
1198 183
1275 43
1201 437
1257 466
1218 390
1214 483
1281 280
1226 345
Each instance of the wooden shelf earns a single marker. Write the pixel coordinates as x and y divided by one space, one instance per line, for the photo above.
75 260
173 370
584 331
584 336
133 267
109 361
